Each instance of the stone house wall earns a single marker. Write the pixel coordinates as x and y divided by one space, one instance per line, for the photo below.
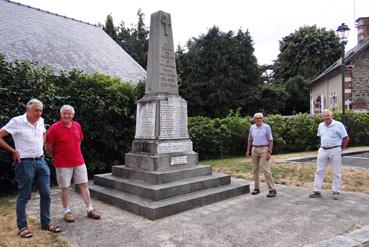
360 83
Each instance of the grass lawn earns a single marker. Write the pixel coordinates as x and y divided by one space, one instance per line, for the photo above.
9 232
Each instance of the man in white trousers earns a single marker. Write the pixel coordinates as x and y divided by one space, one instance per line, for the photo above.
333 139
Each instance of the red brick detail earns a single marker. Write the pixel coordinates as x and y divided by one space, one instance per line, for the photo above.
347 85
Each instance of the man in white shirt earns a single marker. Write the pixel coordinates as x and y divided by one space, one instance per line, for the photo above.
333 139
28 132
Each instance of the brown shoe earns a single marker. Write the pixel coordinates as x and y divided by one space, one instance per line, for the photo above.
272 193
69 217
93 214
255 192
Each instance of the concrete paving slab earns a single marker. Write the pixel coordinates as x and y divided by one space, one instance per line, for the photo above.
361 235
339 241
290 219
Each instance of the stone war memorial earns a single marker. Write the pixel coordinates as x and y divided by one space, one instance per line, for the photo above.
161 175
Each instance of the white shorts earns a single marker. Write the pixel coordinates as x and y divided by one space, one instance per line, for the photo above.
64 175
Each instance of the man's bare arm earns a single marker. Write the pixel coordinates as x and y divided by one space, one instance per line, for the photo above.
7 147
49 149
345 141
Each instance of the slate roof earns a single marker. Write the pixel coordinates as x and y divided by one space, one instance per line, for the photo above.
62 43
350 55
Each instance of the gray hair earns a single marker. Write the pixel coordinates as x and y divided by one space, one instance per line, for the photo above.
258 114
34 102
327 111
66 107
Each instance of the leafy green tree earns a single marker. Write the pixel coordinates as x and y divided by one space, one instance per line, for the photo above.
109 28
298 95
267 75
269 99
135 40
306 52
217 72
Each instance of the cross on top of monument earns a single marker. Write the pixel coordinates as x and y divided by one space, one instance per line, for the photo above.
161 66
166 23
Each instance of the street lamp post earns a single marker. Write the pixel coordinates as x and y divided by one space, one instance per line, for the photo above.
342 32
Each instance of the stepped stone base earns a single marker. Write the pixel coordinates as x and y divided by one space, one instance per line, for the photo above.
157 194
161 177
154 210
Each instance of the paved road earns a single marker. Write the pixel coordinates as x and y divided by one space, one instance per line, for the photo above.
290 219
351 158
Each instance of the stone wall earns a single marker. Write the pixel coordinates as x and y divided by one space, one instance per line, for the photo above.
360 83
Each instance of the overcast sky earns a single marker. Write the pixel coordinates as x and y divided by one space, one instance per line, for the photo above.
268 21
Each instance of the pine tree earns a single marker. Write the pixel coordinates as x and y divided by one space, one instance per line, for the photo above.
109 28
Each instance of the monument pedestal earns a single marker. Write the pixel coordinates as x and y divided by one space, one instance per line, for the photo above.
161 175
157 194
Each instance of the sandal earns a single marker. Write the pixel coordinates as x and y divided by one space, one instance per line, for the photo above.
52 228
25 233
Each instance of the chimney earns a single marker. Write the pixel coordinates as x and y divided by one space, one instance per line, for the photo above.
362 29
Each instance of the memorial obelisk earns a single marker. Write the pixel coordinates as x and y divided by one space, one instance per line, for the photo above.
161 141
161 175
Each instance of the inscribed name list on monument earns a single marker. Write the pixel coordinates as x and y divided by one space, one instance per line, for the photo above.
161 66
173 118
168 76
145 120
175 147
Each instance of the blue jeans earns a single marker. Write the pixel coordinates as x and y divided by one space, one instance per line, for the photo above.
26 172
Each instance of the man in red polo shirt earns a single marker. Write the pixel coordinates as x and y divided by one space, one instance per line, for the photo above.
63 143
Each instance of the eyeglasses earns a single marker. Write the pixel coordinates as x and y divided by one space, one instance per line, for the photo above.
258 118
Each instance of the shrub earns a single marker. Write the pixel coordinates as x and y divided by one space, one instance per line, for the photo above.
300 134
278 125
104 106
19 82
357 125
208 137
214 138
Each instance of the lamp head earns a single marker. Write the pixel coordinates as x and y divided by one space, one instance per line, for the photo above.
342 32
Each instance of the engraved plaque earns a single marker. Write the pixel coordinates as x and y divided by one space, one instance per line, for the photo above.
174 147
178 160
173 118
145 120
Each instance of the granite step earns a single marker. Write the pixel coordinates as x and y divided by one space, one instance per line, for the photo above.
154 210
161 177
161 191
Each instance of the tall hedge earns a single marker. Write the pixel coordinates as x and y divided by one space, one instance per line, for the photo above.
104 106
214 138
19 82
294 134
217 137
